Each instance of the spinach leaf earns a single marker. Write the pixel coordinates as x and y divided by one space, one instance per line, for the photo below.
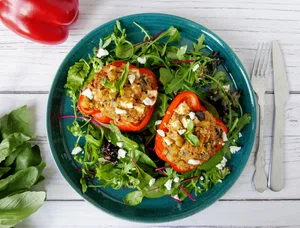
165 76
28 158
141 157
133 198
11 158
10 143
154 190
216 159
21 181
4 170
16 121
76 75
14 209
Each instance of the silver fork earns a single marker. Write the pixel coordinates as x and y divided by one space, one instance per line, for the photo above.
259 81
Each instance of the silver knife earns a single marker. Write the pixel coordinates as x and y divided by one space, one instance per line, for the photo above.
281 94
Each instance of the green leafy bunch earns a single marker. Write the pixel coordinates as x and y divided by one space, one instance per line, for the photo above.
21 167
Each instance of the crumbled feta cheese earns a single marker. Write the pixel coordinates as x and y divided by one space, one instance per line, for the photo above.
223 144
157 122
196 67
176 124
121 153
181 131
192 115
226 88
224 136
184 122
176 179
168 184
140 108
240 135
142 60
120 144
151 182
161 133
220 181
181 109
222 164
126 104
176 197
194 162
102 52
234 149
152 93
202 178
168 141
131 78
147 101
76 150
88 93
233 140
120 111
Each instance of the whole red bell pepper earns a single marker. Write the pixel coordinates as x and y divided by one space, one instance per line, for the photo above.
43 21
194 103
122 125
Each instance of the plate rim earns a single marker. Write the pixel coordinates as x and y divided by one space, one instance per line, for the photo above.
92 201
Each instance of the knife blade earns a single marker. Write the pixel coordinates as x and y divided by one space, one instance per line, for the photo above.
281 95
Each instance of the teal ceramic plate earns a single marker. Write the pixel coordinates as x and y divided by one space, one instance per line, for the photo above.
61 141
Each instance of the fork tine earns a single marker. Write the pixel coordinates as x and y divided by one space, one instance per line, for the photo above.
264 70
257 57
261 59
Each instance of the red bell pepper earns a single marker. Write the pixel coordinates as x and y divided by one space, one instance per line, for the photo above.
43 21
193 102
123 126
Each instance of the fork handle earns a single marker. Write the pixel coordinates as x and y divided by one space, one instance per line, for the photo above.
277 167
260 178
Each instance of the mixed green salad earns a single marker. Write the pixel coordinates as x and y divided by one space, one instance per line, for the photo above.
122 159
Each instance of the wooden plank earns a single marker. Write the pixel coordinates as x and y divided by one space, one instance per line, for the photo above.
220 214
238 23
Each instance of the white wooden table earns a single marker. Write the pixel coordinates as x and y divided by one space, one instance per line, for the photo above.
27 70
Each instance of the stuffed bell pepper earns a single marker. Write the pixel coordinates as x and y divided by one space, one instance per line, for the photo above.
121 93
188 135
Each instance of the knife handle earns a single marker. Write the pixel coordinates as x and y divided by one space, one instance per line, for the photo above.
277 167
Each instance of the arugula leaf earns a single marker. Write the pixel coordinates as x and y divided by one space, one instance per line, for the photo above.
199 45
76 75
14 209
16 121
133 198
10 144
165 76
178 81
181 51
